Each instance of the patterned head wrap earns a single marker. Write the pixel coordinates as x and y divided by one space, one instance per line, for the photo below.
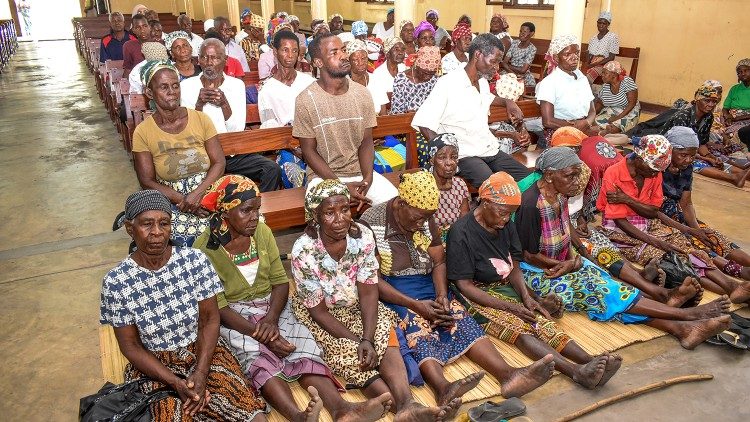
292 18
557 158
321 25
419 190
146 200
282 15
709 89
354 46
583 180
501 189
460 30
245 14
607 16
423 26
655 151
681 137
743 62
560 42
509 86
441 141
322 191
502 18
335 15
389 11
226 193
432 12
403 23
374 46
359 28
391 42
170 38
151 67
257 21
154 51
615 67
428 58
346 38
275 26
567 136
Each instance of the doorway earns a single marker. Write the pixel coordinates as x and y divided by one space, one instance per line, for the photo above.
46 19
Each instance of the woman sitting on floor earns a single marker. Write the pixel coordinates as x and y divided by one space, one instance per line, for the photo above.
630 201
551 264
336 272
181 53
272 346
617 106
436 327
161 301
736 109
176 151
482 261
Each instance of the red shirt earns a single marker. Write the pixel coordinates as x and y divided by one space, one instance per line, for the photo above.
618 175
131 54
234 68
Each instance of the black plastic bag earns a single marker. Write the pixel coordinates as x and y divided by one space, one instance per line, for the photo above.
677 269
120 403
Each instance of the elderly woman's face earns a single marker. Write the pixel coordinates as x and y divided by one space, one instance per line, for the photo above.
150 231
426 38
407 33
496 216
682 158
567 58
358 61
422 75
433 20
336 24
243 219
164 89
156 32
334 215
445 162
565 181
181 50
602 25
608 77
707 105
463 43
642 169
212 60
496 25
287 53
412 219
397 53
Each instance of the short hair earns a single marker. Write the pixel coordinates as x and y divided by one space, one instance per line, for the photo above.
153 22
215 41
212 34
182 17
219 19
314 47
284 35
484 43
138 17
113 14
529 25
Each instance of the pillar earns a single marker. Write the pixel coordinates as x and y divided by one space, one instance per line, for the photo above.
233 8
189 9
267 8
405 9
606 6
568 18
319 9
174 8
208 10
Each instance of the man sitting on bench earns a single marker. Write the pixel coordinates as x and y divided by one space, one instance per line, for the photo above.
333 120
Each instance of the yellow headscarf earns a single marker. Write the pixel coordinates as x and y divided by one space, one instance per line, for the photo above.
419 190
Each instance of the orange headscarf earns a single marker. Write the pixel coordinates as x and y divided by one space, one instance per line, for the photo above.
501 189
567 136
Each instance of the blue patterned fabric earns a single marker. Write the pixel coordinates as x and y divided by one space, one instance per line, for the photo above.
162 304
590 289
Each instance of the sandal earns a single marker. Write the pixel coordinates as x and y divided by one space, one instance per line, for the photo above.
742 322
495 412
716 341
734 340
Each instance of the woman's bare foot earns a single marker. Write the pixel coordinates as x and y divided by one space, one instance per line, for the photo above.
456 389
312 411
591 373
415 412
741 293
553 304
740 178
713 309
613 365
523 380
694 333
681 294
653 273
366 411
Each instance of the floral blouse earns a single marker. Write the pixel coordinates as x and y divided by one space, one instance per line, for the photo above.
320 277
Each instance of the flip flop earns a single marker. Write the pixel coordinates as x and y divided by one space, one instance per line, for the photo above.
495 412
733 339
716 341
742 322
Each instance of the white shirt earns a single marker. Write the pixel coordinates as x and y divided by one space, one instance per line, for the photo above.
196 42
234 90
266 63
455 106
276 100
450 62
134 78
382 76
570 96
240 36
234 50
379 31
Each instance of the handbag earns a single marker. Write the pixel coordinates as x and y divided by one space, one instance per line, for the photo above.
123 402
677 269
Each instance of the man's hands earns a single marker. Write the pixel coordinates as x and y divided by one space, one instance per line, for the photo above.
358 191
213 96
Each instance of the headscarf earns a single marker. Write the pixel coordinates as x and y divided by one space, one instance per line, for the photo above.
137 8
503 19
709 89
606 15
501 189
403 23
428 58
743 62
359 28
257 21
321 25
681 137
354 46
154 51
208 24
557 158
374 46
322 191
292 18
419 190
615 67
567 136
335 15
655 151
389 11
151 67
508 86
346 37
146 200
171 37
223 195
282 13
245 13
275 26
460 30
391 42
441 141
432 12
423 26
560 42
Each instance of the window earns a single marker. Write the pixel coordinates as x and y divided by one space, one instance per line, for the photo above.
524 4
375 1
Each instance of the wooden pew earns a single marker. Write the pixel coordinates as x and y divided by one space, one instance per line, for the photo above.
251 78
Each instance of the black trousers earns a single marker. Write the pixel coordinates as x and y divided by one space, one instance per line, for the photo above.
259 169
744 135
475 170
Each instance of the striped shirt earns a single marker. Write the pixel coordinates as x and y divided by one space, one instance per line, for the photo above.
621 98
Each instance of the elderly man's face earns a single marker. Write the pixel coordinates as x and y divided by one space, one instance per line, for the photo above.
185 24
225 31
117 22
212 60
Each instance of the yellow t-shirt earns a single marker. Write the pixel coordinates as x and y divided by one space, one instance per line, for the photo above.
176 156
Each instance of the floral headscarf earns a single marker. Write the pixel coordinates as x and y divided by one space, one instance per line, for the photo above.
508 86
655 150
257 21
503 19
460 30
743 62
428 58
419 190
441 141
335 15
292 18
391 42
354 46
359 28
171 37
710 89
606 15
500 188
322 191
615 67
151 67
402 24
223 195
423 26
558 44
567 136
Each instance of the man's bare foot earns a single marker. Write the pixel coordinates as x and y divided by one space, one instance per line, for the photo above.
696 332
713 309
415 412
613 365
740 178
366 411
553 304
312 411
591 373
451 409
681 294
524 380
741 293
456 389
653 273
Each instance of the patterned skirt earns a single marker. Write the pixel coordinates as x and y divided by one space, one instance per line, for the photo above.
421 341
721 245
604 252
507 326
259 363
340 354
625 123
590 289
186 227
232 399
